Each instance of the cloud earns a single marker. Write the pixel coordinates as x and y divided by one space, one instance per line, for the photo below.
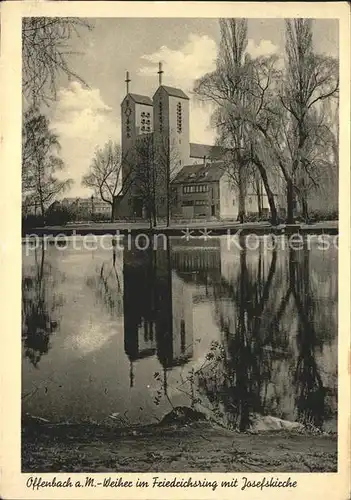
264 48
200 130
83 121
81 112
77 97
184 65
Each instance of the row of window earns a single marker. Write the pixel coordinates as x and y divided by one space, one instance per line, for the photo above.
160 115
199 188
146 128
179 117
198 203
146 122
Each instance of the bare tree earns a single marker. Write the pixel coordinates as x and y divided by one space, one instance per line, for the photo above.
40 162
310 79
225 87
240 87
105 174
46 53
292 128
144 176
152 165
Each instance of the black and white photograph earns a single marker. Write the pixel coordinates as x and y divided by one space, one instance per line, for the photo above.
180 248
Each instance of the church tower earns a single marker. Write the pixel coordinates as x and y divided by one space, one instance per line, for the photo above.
136 121
171 137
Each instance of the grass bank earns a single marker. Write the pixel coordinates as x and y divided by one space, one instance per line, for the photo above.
195 445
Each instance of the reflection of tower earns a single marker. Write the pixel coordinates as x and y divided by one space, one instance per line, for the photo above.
174 323
157 309
138 300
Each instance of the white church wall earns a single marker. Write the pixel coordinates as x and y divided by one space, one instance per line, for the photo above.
228 199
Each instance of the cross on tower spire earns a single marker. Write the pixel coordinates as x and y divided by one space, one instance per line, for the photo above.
127 80
160 73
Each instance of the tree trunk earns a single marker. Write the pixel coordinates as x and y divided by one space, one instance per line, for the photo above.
259 198
168 205
303 200
241 214
42 207
290 201
270 195
112 209
304 204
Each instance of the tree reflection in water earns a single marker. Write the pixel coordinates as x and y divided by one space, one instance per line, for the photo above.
257 320
310 390
238 381
106 284
39 307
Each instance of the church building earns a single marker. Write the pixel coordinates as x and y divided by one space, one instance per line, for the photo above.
162 171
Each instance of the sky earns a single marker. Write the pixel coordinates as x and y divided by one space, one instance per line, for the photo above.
85 118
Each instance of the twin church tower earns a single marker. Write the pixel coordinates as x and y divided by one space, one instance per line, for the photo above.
157 126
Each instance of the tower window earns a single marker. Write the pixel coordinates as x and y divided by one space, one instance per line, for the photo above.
160 115
179 117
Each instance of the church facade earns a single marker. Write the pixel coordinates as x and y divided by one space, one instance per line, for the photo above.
159 163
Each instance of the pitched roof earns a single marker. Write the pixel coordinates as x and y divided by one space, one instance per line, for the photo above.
172 91
141 99
202 150
203 172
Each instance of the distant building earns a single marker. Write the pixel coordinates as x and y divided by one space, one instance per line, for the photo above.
87 207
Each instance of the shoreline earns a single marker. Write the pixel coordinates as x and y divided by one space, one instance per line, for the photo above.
195 445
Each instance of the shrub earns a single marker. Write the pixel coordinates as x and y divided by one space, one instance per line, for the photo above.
319 216
31 220
58 216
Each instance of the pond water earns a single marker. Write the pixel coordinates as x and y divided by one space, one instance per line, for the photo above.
124 334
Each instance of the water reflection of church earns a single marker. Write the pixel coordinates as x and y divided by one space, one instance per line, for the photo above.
158 309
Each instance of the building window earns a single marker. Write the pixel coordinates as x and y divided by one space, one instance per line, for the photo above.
197 188
188 203
160 114
179 117
201 203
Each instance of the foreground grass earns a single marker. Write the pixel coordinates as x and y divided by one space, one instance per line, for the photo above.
173 447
